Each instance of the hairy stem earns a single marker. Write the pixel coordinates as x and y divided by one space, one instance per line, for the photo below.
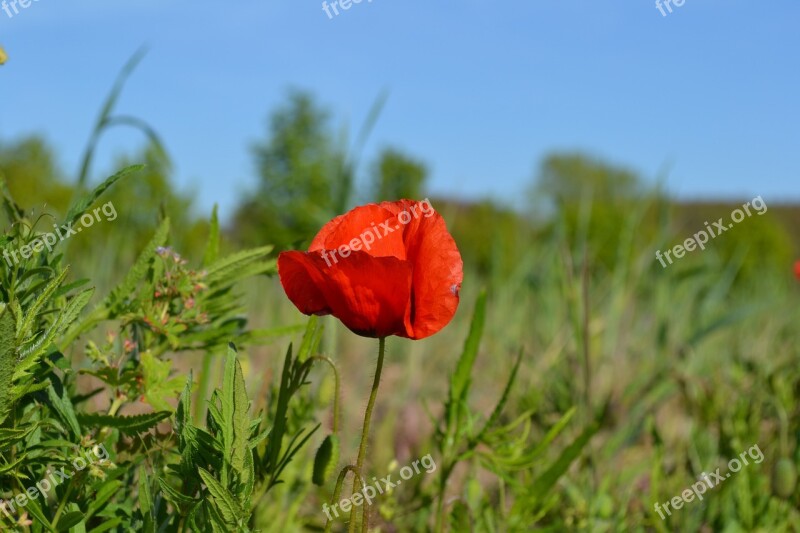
362 449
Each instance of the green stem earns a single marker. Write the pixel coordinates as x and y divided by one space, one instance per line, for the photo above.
362 449
338 490
115 405
445 475
336 388
64 501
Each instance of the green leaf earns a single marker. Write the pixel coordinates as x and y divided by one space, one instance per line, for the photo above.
107 525
175 497
68 315
183 415
495 416
236 420
158 386
35 511
223 500
459 383
554 432
44 298
63 406
104 120
146 501
548 479
7 360
326 460
84 203
227 268
139 270
69 520
311 339
106 491
461 378
129 425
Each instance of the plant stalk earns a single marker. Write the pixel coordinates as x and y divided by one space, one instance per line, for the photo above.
362 449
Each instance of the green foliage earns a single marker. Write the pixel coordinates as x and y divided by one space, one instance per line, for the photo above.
33 177
573 177
326 460
501 448
160 307
692 364
492 239
304 179
396 175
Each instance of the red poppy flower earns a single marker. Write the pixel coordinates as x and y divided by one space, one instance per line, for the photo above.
387 269
797 269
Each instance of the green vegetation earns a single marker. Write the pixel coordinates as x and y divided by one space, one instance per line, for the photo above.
591 383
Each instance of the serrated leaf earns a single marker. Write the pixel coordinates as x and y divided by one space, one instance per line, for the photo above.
175 497
10 436
85 202
227 268
236 420
63 406
145 499
129 425
7 361
68 315
223 500
158 386
139 269
33 310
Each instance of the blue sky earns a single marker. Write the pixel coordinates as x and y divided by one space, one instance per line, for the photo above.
479 90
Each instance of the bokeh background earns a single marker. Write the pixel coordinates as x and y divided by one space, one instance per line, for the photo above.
563 142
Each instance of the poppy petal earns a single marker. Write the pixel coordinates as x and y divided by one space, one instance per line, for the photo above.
370 295
371 227
438 273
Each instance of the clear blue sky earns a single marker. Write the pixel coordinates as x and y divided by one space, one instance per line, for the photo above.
479 90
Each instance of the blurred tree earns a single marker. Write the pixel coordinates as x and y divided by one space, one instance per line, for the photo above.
597 203
761 243
396 175
304 177
33 177
569 177
146 197
492 238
